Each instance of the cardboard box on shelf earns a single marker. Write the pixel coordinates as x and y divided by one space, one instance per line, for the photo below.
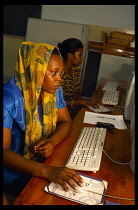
121 35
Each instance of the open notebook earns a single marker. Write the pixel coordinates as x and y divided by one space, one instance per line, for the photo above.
90 194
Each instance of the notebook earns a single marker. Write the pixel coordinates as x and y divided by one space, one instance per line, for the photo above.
83 195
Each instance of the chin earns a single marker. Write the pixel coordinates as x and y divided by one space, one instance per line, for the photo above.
51 92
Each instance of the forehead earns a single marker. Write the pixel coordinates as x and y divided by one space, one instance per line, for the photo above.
55 61
80 50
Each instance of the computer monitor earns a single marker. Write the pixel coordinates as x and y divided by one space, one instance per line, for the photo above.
130 97
132 137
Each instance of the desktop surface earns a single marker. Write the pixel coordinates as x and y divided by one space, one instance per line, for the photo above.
117 145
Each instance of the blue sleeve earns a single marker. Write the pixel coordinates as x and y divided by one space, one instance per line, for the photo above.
13 109
60 102
8 111
7 119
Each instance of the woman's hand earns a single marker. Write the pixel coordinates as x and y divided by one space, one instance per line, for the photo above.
88 102
44 147
64 176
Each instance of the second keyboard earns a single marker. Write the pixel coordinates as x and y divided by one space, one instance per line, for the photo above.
110 86
110 97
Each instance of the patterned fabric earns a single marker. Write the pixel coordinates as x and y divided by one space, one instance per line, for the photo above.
30 69
14 119
14 113
70 85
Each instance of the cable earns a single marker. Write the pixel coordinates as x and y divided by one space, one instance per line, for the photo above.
114 160
130 199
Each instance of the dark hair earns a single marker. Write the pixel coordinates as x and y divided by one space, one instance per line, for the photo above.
70 45
55 51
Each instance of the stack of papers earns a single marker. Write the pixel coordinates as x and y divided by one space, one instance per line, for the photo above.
116 120
90 194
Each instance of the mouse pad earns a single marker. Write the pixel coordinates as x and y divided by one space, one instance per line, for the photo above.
97 186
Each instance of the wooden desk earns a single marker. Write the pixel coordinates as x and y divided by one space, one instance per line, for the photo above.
120 178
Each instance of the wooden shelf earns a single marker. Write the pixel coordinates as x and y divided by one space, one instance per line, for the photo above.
99 47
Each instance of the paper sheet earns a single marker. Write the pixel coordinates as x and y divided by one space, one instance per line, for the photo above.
85 197
116 120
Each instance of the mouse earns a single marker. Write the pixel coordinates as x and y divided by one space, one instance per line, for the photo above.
108 126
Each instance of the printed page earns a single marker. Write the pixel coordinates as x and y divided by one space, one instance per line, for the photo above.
116 120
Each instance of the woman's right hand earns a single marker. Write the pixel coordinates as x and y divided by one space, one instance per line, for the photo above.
63 175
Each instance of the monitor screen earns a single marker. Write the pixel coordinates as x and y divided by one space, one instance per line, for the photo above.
130 97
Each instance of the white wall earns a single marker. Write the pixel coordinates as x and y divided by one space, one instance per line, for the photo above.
119 16
10 50
116 67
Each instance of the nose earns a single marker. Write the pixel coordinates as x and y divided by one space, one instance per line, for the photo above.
59 77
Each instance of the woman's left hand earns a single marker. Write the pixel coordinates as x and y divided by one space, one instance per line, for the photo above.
86 102
44 147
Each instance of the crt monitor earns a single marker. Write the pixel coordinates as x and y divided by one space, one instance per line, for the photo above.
130 98
132 137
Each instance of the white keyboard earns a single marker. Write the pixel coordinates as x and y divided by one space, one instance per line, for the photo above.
87 152
110 86
100 109
110 97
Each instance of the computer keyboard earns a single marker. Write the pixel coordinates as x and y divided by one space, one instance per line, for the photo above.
110 86
100 109
110 97
87 152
